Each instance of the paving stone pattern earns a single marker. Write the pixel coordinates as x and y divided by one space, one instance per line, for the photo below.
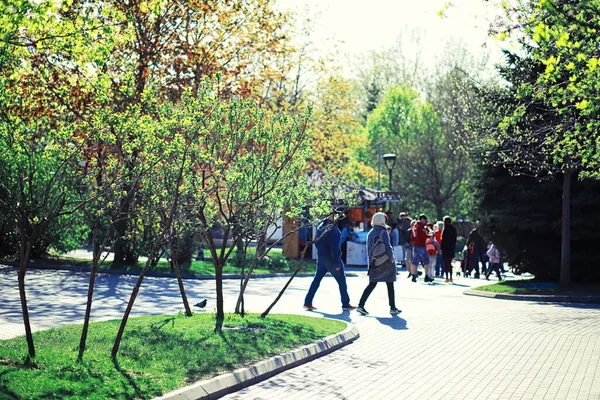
444 345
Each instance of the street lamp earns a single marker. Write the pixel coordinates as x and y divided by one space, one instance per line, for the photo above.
390 161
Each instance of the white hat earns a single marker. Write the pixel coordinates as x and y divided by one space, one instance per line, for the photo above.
379 219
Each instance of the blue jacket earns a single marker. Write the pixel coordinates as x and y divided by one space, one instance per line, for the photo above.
329 254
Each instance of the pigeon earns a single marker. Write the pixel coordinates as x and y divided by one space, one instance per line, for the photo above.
202 304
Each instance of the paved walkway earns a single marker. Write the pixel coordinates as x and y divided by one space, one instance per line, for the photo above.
443 346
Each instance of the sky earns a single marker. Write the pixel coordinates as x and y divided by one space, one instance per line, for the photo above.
355 27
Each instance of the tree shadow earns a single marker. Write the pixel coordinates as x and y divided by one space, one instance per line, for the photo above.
129 378
581 306
4 390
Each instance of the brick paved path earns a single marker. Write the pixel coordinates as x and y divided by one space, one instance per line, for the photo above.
443 346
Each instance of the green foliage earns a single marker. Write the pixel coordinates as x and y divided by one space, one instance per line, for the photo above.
522 217
160 354
562 43
427 173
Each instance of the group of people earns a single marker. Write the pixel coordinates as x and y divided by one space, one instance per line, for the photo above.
422 243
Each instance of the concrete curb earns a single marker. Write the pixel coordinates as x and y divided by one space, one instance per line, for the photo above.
546 298
159 274
222 385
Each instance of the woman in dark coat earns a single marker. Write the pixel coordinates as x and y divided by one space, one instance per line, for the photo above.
385 272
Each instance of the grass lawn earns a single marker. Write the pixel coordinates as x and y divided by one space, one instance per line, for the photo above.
197 267
530 286
158 354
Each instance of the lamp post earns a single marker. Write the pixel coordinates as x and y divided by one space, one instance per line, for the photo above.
390 161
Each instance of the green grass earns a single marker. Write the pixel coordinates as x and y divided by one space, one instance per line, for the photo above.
158 354
198 267
529 286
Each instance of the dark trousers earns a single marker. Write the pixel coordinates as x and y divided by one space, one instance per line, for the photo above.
448 266
344 249
496 268
340 277
369 289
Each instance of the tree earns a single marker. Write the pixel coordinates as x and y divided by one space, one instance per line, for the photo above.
559 39
38 176
428 170
338 137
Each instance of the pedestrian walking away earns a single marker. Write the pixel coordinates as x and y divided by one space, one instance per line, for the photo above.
329 259
448 246
494 256
433 249
381 263
479 246
419 237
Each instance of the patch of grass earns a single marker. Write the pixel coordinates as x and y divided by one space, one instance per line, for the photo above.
158 354
276 263
533 287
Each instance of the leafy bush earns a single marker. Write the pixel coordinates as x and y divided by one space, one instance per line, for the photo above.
522 216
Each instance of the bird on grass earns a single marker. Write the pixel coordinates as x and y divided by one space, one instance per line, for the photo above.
202 304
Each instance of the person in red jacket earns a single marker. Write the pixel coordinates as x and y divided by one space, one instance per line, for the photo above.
419 237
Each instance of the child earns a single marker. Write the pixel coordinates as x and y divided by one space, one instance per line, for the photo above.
494 256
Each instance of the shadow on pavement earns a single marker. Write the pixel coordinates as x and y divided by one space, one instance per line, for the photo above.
581 306
344 316
459 285
394 322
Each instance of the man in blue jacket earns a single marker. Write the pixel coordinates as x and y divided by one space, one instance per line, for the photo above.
329 259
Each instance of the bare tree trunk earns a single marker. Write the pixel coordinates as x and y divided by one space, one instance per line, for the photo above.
90 296
219 287
239 306
298 269
23 262
565 258
132 298
186 304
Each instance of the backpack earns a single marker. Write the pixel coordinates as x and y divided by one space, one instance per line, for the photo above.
430 248
379 254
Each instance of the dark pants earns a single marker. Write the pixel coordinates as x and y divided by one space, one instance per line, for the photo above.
496 268
448 266
339 276
475 258
344 248
369 289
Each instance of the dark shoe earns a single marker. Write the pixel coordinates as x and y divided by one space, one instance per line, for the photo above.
309 307
395 311
414 278
349 308
362 310
409 275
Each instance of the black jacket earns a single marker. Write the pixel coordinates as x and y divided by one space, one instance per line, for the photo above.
449 240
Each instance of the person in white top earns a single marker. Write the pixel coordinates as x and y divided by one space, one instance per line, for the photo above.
494 256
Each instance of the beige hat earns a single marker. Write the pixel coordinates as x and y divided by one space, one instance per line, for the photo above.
379 219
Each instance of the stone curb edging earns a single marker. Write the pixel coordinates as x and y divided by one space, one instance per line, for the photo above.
233 381
548 298
156 274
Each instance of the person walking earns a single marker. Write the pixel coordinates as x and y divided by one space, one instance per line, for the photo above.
404 239
433 249
439 264
448 247
329 259
479 246
346 235
494 256
381 263
419 237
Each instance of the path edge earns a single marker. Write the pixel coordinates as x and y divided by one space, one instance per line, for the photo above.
231 382
549 298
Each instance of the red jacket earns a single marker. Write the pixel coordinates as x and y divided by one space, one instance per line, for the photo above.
419 234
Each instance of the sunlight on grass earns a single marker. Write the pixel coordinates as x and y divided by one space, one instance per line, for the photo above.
158 354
